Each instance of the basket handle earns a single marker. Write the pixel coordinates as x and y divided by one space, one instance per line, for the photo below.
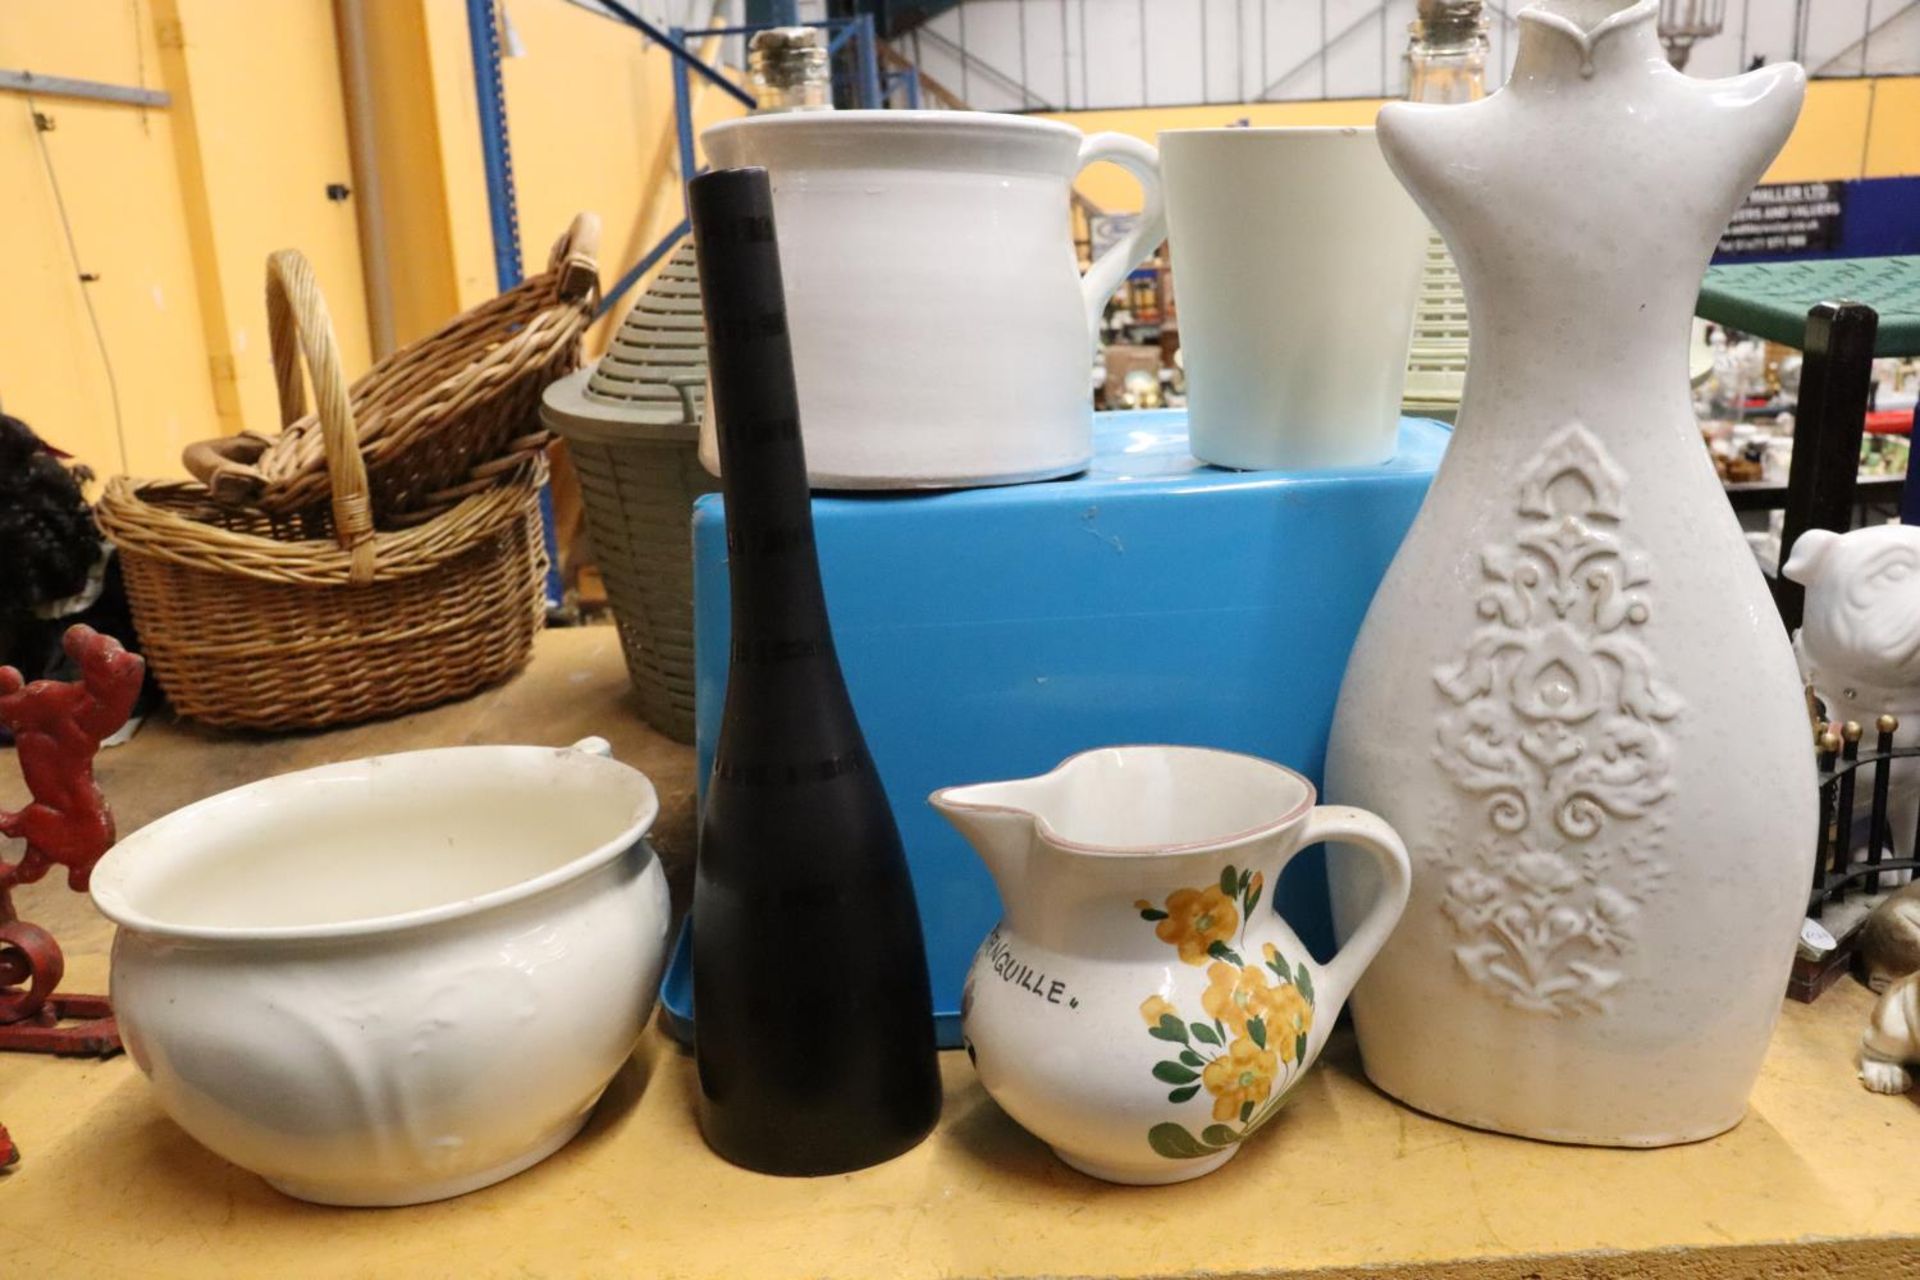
576 257
297 322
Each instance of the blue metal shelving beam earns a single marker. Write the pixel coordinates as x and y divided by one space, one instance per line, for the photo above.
829 24
683 112
503 211
484 38
866 55
906 79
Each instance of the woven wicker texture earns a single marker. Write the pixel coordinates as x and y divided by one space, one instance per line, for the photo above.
429 412
255 620
1771 299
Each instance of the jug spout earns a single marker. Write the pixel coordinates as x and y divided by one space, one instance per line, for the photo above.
997 818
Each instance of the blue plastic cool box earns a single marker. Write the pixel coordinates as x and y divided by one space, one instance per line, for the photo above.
991 633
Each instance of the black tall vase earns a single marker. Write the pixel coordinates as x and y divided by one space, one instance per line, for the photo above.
814 1020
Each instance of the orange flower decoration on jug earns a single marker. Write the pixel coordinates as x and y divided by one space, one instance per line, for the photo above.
1292 1016
1197 919
1241 1077
1235 994
1154 1008
1254 1024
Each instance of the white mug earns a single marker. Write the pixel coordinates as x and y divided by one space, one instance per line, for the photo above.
942 332
1297 259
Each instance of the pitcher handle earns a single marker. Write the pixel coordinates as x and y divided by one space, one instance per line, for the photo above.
1142 160
1371 835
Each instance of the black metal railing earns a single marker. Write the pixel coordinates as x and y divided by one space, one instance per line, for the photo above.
1835 870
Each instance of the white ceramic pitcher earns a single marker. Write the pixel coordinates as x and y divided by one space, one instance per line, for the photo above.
1140 1007
942 333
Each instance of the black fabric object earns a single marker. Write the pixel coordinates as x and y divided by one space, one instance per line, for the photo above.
813 1015
48 540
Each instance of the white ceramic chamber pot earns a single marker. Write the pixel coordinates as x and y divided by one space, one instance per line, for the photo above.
1141 1008
397 979
1297 257
942 333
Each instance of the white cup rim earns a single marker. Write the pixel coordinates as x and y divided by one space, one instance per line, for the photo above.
866 122
1272 131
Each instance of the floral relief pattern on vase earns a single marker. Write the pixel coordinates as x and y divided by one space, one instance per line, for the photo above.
1250 1039
1560 720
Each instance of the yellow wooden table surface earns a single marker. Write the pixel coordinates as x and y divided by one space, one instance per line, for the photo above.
1822 1179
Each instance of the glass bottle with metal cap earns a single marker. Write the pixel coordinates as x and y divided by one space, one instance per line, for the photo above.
1446 63
1447 57
790 70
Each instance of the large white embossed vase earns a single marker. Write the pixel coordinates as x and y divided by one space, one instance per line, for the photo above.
1572 694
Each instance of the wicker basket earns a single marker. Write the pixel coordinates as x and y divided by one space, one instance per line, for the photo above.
296 622
631 424
429 412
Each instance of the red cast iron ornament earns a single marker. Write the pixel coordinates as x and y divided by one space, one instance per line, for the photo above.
57 729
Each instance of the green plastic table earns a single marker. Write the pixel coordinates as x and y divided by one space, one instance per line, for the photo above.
1841 313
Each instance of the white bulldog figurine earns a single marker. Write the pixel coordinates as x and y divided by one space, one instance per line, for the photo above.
1859 644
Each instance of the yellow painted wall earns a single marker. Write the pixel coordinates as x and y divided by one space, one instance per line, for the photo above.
1848 129
258 100
590 119
590 125
117 168
408 146
1830 138
1893 141
450 68
175 209
591 108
